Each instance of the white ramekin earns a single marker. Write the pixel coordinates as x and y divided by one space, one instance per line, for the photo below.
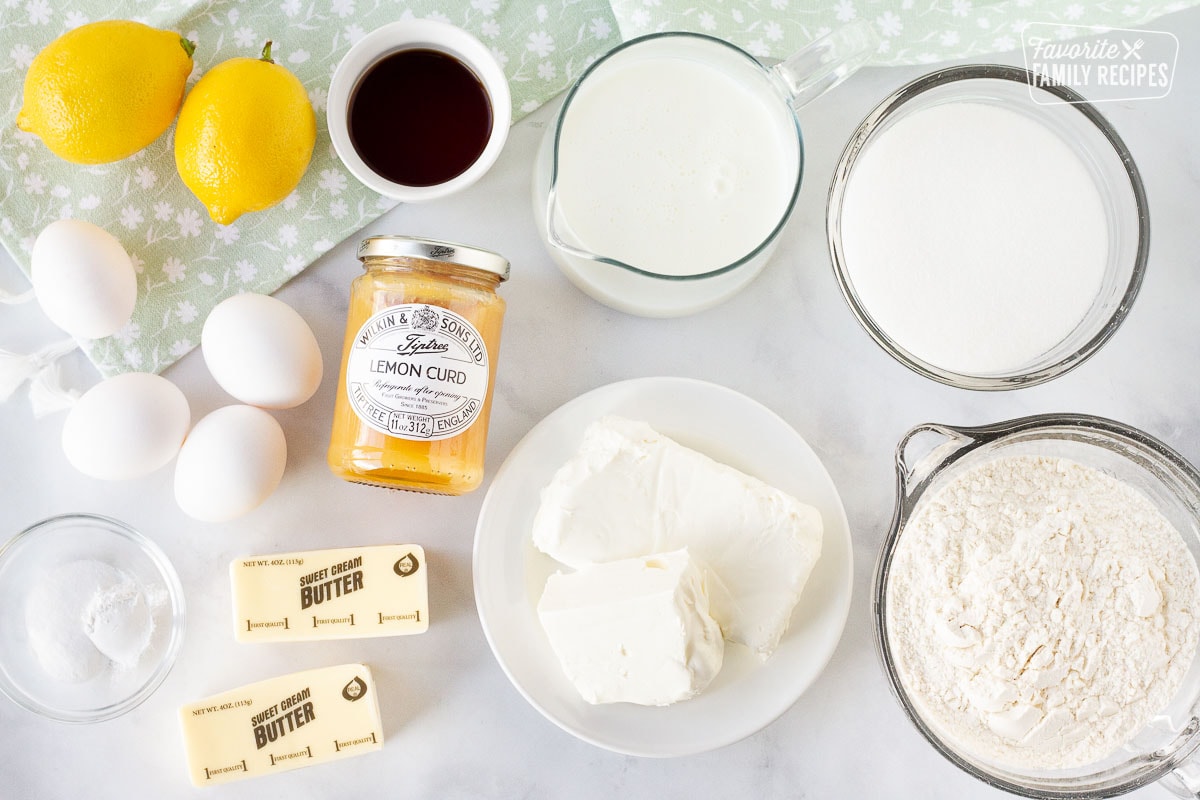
417 34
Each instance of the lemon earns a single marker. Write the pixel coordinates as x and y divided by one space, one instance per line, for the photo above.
245 136
105 90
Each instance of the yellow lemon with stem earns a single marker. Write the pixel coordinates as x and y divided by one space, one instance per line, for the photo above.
245 136
105 90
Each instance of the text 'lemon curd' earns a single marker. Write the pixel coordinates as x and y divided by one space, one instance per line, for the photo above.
418 365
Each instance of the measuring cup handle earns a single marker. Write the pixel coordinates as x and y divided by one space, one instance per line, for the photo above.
913 463
1184 779
826 62
927 447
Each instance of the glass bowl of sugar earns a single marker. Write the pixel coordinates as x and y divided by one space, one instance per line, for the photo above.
1036 604
988 231
94 618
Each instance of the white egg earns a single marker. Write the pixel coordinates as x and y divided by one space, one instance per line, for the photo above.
231 462
83 279
261 351
126 426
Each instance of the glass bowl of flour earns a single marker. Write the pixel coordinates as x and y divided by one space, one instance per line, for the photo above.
987 232
1037 604
94 618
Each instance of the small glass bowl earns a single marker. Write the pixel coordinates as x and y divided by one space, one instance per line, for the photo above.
1105 156
929 457
74 537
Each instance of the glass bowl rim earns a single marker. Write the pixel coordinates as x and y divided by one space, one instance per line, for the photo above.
175 593
836 195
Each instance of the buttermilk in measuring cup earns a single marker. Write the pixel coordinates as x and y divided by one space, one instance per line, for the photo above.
674 165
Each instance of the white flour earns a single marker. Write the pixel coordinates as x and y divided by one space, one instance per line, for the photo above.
965 219
1040 612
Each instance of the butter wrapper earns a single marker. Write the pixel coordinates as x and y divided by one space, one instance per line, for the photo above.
344 593
281 724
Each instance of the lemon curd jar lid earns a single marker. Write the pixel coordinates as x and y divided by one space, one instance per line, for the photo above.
434 250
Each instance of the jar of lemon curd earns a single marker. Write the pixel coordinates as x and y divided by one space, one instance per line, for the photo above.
418 365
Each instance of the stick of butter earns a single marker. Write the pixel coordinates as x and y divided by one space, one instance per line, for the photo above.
280 724
347 593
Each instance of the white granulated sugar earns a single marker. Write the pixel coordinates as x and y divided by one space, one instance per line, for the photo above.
975 236
118 621
1040 612
53 619
87 618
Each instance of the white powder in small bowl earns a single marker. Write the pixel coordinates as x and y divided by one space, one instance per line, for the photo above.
118 621
87 617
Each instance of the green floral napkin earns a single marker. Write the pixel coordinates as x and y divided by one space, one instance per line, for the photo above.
911 31
187 263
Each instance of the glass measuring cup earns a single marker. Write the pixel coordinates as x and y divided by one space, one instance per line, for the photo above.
649 289
927 458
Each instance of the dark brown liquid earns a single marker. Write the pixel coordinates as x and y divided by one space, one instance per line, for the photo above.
419 117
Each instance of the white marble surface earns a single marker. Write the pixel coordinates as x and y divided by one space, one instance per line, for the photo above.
455 726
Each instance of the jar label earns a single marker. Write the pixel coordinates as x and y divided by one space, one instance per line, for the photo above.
417 372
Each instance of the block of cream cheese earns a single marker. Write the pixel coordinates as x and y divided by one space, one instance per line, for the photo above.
629 491
280 724
634 631
346 593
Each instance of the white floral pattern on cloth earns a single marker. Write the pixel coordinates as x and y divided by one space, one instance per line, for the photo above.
187 263
910 31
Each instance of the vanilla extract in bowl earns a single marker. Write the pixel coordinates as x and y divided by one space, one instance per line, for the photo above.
418 109
420 117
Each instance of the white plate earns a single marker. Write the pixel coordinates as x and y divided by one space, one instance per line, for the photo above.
510 573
